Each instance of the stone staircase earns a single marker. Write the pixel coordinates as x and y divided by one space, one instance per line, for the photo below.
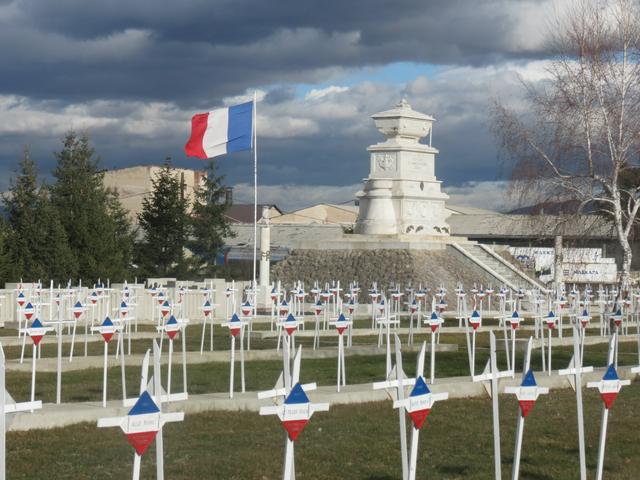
484 257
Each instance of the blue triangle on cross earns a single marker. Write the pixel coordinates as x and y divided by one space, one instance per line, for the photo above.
420 387
434 316
551 314
78 304
172 320
107 322
297 395
36 324
475 314
515 314
291 318
235 318
122 305
144 405
529 380
341 318
611 373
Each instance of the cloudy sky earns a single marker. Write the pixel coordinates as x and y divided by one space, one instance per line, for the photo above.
131 73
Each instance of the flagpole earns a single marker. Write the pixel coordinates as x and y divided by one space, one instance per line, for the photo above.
255 193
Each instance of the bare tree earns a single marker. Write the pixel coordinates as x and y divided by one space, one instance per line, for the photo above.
581 131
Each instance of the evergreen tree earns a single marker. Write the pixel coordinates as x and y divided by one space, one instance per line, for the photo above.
35 243
165 226
98 230
209 225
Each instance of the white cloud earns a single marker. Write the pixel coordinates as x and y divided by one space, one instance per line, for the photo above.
245 97
453 95
318 93
491 195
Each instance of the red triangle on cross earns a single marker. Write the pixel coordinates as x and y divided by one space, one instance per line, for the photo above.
172 334
609 398
294 427
526 406
419 416
140 441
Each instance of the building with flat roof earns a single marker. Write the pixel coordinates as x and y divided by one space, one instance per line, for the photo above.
133 184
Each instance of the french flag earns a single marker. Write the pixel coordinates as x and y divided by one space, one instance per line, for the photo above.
221 131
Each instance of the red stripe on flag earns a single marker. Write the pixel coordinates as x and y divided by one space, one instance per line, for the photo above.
199 123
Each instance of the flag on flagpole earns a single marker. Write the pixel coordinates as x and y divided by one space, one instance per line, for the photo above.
221 131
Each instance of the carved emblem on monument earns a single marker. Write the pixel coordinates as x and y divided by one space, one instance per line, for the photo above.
417 209
385 161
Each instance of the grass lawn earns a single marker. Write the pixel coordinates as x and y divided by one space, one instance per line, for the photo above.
86 385
348 442
221 342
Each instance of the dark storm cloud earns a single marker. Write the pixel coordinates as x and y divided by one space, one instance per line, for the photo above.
191 50
131 73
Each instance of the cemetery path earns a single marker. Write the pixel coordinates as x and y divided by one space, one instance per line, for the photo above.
52 415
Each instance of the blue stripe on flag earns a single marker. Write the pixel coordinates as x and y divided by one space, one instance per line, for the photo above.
239 131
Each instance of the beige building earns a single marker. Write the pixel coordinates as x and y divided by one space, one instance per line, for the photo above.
134 184
323 213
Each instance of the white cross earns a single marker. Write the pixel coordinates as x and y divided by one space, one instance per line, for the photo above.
576 370
235 326
290 412
528 394
418 403
147 422
607 387
492 374
399 383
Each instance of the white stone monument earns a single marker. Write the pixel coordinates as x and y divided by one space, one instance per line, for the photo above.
402 196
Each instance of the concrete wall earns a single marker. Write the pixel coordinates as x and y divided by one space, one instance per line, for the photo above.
432 268
292 236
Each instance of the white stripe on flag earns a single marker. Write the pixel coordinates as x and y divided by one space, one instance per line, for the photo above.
214 141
